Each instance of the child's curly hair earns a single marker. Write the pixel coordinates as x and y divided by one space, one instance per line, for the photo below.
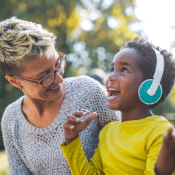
20 40
147 63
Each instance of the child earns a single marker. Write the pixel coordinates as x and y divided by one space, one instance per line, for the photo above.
130 146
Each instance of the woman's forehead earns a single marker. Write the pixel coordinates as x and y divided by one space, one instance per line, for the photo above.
38 64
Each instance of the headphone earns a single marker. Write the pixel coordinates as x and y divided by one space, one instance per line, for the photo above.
150 91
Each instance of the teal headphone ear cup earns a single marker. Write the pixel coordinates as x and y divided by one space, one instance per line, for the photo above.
143 93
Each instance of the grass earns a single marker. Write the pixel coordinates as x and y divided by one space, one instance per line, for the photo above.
3 163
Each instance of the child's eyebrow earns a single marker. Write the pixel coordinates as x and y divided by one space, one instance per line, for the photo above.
126 63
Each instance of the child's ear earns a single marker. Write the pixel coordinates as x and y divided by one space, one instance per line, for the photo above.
13 81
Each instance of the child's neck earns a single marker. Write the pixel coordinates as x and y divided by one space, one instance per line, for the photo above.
136 114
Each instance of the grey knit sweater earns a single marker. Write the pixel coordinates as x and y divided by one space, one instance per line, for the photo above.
32 150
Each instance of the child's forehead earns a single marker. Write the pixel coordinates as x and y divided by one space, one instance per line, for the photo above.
127 54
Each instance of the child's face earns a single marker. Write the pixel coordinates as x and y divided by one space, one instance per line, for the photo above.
124 81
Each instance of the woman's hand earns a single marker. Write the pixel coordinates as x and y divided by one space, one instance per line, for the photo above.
74 125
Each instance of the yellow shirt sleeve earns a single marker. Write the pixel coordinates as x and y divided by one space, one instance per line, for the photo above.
154 145
78 162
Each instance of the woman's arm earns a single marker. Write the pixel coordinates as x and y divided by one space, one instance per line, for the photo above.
15 165
73 150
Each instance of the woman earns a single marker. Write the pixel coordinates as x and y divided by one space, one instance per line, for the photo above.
32 126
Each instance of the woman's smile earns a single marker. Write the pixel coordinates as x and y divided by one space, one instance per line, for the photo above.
55 89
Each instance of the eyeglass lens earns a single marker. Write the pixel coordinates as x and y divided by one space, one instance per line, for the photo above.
50 78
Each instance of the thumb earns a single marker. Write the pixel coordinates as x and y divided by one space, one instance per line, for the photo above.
167 135
170 130
90 118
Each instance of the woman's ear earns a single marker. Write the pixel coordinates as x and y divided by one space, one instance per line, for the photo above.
13 81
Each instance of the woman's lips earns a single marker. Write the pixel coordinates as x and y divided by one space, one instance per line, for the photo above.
55 89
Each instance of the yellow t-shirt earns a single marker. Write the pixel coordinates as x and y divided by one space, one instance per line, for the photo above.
125 148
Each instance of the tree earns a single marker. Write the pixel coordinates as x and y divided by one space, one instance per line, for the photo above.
110 21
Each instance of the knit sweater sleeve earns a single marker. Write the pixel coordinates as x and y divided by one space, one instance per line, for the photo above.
104 114
15 164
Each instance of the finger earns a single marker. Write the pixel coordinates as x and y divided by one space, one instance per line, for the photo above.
71 119
169 133
90 118
68 126
84 110
80 113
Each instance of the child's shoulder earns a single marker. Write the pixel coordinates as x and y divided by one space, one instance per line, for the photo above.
160 125
160 120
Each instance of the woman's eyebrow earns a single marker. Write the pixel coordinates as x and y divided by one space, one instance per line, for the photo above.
47 69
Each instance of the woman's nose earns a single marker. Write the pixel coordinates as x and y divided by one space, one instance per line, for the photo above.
58 78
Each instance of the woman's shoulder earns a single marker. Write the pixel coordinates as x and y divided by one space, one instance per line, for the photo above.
11 111
82 82
80 79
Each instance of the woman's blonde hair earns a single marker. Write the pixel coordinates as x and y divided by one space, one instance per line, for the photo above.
21 40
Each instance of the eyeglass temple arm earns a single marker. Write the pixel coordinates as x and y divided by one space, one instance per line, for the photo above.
34 81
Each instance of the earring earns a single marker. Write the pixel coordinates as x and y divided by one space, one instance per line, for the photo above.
20 88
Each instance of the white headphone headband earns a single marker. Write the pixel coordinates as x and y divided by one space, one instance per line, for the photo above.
158 73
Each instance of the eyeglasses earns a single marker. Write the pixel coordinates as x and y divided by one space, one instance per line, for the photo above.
48 79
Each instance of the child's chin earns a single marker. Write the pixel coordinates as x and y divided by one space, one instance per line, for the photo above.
112 107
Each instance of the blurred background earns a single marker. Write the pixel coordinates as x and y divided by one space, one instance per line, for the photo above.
92 31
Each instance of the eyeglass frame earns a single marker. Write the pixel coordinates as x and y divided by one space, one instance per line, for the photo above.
56 70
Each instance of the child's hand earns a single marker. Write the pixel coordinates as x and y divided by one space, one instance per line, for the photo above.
74 125
165 164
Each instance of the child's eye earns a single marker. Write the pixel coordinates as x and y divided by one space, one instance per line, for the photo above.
124 70
111 70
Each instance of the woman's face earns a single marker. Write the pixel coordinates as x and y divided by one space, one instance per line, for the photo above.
124 81
36 70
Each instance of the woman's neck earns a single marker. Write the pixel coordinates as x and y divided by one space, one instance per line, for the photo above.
40 107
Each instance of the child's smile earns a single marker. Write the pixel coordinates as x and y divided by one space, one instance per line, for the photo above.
124 81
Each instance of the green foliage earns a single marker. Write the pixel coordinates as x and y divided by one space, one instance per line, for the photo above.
89 49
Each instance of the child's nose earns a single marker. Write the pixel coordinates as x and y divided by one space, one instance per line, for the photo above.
113 76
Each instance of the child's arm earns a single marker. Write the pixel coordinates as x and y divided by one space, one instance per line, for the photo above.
153 146
165 164
73 150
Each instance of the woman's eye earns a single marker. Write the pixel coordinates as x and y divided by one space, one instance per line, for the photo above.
57 64
124 70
